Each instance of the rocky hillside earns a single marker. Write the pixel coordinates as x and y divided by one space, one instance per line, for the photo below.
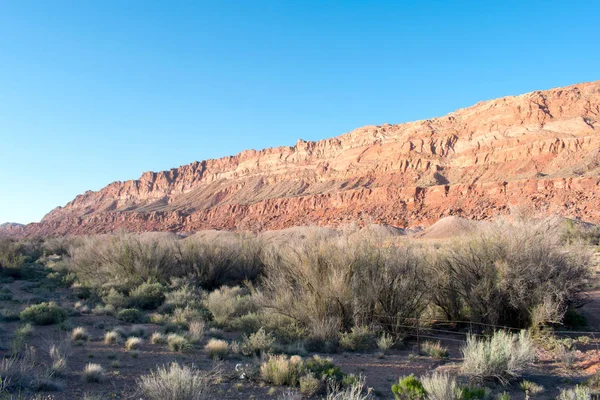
539 149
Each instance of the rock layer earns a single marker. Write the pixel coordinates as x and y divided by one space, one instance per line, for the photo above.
539 149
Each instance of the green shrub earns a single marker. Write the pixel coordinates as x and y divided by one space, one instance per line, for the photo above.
323 368
115 299
503 357
44 314
257 343
409 388
359 338
147 296
473 393
132 315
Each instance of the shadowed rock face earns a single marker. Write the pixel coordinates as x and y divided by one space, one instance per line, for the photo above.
539 149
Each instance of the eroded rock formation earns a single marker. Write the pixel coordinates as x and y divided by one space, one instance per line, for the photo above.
539 149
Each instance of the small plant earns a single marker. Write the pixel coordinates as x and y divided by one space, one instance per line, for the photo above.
177 383
59 353
358 338
568 357
504 396
217 348
138 331
409 388
439 386
133 343
354 391
177 343
530 388
257 343
80 334
385 342
502 357
132 315
280 370
93 373
309 385
196 331
44 314
158 338
577 393
435 350
111 337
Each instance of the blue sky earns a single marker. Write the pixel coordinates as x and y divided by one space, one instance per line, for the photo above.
97 91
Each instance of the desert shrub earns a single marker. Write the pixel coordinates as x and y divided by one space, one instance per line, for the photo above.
184 316
132 315
507 271
177 382
185 295
158 338
503 357
12 257
359 338
577 393
309 385
80 334
147 296
247 323
257 343
177 343
59 354
504 396
323 368
222 261
409 388
217 348
226 303
115 299
44 314
435 349
139 331
280 370
473 393
530 388
17 373
196 331
125 259
133 343
5 294
439 386
329 286
112 337
385 342
93 373
353 391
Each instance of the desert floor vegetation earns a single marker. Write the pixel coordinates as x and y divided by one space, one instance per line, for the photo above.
336 317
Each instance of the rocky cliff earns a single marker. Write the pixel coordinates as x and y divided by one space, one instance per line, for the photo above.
539 149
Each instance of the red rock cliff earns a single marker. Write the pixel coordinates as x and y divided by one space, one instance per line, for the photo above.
539 149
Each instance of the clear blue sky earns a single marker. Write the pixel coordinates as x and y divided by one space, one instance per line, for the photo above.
97 91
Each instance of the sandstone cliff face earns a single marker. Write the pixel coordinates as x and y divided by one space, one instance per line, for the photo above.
539 149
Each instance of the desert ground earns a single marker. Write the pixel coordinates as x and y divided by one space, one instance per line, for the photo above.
305 313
